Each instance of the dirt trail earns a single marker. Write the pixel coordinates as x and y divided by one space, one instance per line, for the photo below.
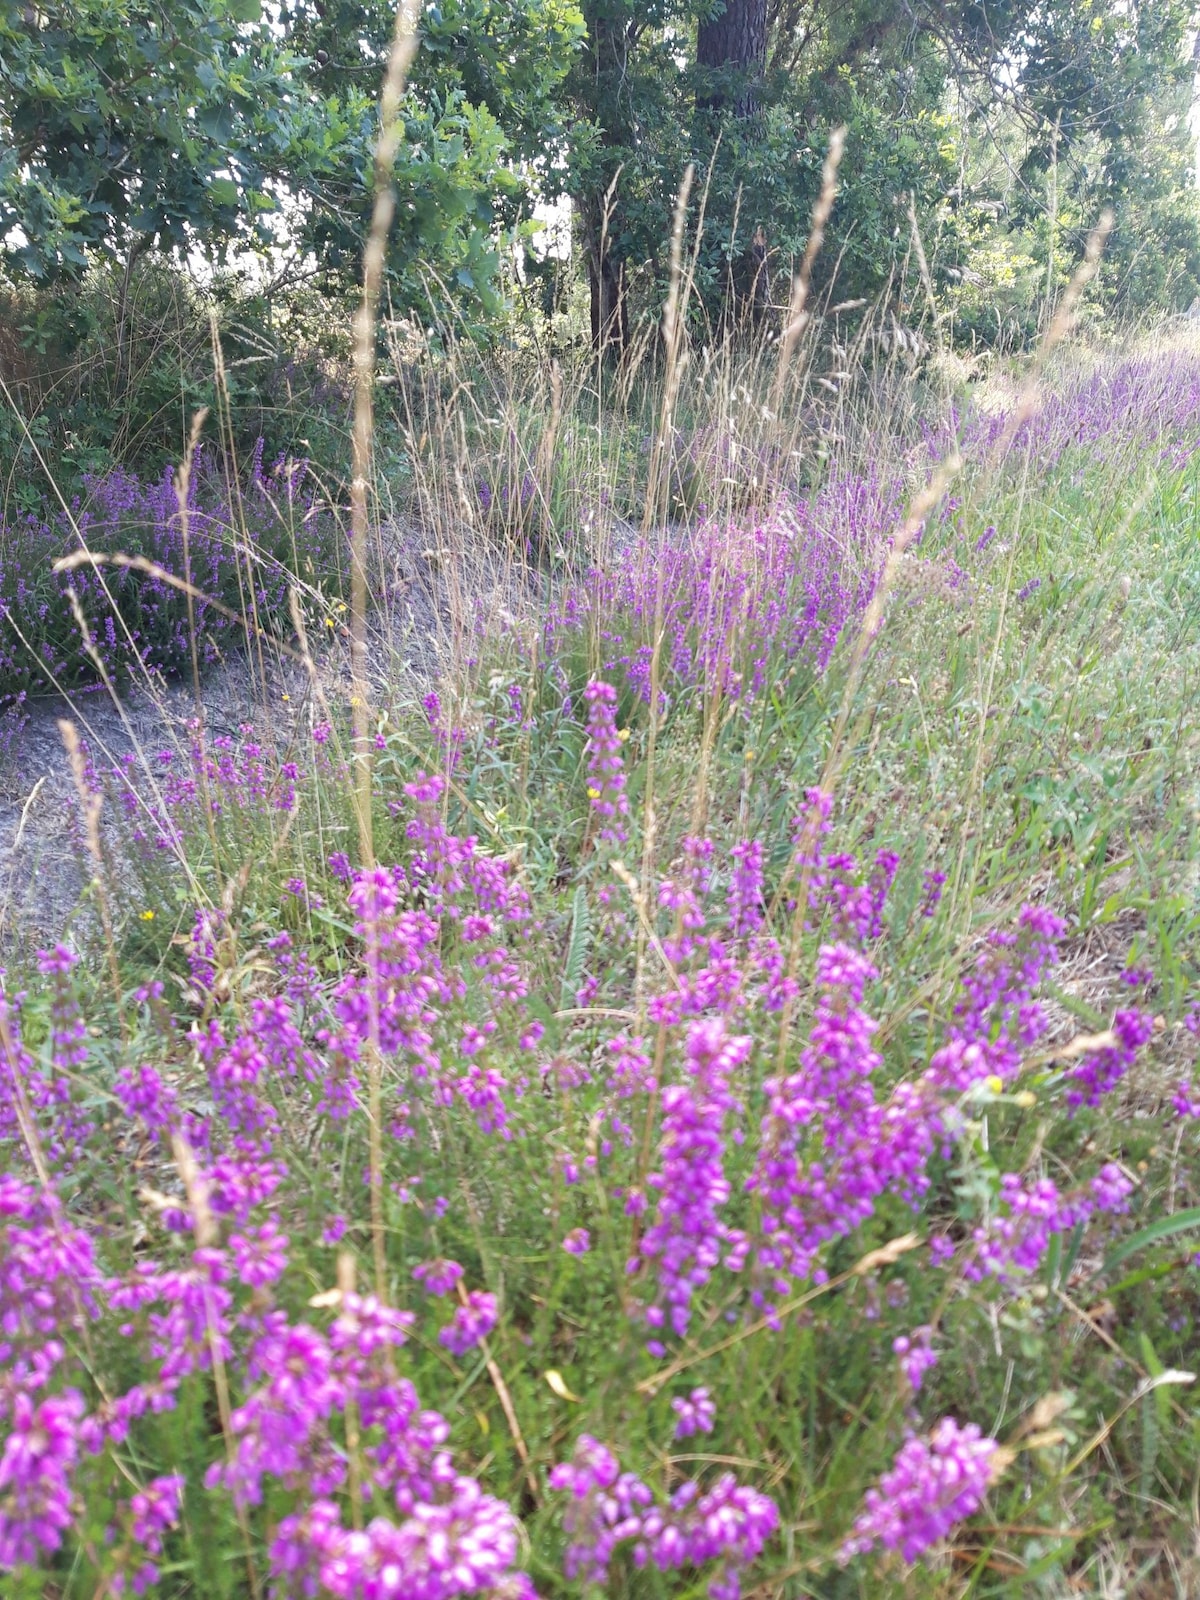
428 607
41 870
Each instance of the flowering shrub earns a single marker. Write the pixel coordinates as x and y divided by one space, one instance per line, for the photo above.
739 602
243 551
718 1176
932 1485
503 1217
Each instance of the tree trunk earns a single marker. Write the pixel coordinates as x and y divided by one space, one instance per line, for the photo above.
734 42
610 311
735 38
609 38
137 249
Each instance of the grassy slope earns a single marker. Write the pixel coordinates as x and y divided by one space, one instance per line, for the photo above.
1033 749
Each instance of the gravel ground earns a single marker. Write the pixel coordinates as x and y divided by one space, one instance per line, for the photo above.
430 607
42 870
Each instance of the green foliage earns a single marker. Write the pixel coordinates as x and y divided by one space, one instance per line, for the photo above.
113 371
481 112
1087 105
128 126
201 125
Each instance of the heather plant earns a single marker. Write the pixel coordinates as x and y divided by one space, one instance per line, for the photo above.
725 1127
127 612
673 1173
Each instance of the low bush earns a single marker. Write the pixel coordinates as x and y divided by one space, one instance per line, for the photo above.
242 551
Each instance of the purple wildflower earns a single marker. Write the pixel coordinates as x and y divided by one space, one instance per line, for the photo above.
470 1324
916 1354
695 1413
605 762
931 1485
746 888
439 1276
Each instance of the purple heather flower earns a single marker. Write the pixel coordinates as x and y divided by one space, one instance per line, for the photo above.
695 1413
916 1355
260 1254
1136 977
746 887
470 1324
1110 1189
931 885
1100 1072
931 1485
154 1509
729 1523
687 1237
605 762
439 1276
941 1250
36 1467
143 1094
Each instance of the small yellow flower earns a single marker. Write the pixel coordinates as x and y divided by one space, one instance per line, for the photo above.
749 755
593 794
147 916
1025 1099
995 1084
623 734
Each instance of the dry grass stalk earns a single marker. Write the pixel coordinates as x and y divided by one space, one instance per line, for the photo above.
89 805
797 316
404 46
183 481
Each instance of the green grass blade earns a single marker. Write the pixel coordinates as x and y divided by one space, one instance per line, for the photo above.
1164 1228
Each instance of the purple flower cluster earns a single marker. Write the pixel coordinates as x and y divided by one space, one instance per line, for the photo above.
932 1484
221 777
746 887
1151 399
463 1542
152 1511
916 1355
438 1277
240 548
695 1412
738 1166
738 605
727 1523
831 1144
1014 1240
687 1239
997 1018
1102 1070
471 1323
605 763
